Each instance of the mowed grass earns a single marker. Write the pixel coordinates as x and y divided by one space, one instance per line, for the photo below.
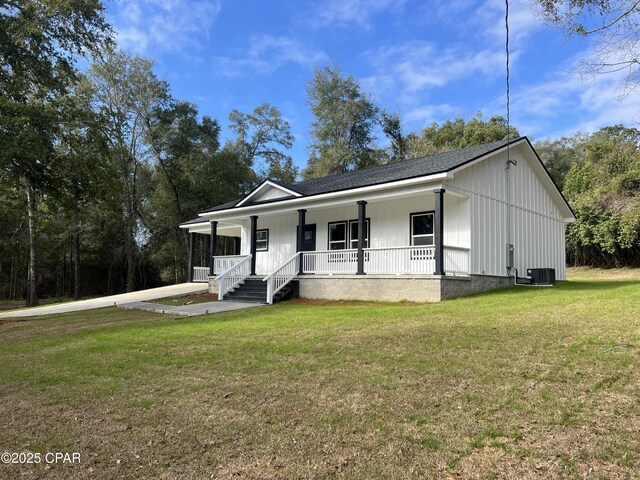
521 383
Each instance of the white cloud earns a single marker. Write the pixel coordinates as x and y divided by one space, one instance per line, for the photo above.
416 66
490 17
570 104
426 114
167 25
267 53
345 12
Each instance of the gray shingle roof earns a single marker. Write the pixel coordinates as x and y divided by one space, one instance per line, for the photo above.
391 172
415 167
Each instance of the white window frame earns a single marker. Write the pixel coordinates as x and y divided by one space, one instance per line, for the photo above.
346 235
353 242
414 236
266 240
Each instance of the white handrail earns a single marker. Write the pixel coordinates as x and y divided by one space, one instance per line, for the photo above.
231 278
222 263
281 276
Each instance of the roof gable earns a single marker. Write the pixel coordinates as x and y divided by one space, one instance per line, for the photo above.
267 191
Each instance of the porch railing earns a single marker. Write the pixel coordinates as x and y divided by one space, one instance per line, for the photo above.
223 263
200 274
231 278
328 262
412 260
283 275
417 260
456 260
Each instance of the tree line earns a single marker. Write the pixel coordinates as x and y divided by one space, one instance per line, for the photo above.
100 165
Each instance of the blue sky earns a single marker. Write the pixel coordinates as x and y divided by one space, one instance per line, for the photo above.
430 61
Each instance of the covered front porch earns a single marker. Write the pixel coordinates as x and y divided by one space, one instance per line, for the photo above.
418 233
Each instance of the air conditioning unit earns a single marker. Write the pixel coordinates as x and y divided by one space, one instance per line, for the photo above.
542 276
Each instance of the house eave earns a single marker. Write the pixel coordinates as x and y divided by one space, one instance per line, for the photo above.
329 195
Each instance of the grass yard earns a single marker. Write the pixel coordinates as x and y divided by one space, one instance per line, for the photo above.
522 383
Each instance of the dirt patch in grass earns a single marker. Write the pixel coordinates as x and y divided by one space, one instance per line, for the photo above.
188 299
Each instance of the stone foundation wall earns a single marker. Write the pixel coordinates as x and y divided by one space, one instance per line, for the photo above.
476 284
396 288
213 285
385 288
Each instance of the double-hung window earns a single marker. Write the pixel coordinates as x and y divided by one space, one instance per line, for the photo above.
337 235
262 240
353 233
422 228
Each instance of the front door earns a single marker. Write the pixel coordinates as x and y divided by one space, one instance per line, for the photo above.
309 245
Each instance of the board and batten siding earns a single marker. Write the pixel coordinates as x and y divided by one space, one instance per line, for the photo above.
389 227
537 226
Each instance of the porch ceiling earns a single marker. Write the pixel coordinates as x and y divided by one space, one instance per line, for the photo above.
224 228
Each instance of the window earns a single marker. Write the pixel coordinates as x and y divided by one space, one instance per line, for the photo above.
262 240
337 235
353 233
422 228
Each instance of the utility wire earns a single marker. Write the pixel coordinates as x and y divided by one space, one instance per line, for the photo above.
506 47
509 161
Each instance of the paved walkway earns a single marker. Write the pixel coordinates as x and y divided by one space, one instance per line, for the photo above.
193 309
110 301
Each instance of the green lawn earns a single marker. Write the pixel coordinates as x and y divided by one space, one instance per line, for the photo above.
522 383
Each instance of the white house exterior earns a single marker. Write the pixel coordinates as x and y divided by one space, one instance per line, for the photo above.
437 227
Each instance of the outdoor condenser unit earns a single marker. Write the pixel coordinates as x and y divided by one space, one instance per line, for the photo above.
542 276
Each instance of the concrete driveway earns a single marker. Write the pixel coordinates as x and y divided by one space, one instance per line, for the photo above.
110 301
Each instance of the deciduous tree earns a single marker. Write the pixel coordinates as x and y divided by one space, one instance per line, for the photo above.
604 191
262 135
613 29
342 130
126 92
39 45
459 133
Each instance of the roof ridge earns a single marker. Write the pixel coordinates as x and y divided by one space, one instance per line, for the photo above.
407 160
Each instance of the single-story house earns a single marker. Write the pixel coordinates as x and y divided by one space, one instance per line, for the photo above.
434 227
